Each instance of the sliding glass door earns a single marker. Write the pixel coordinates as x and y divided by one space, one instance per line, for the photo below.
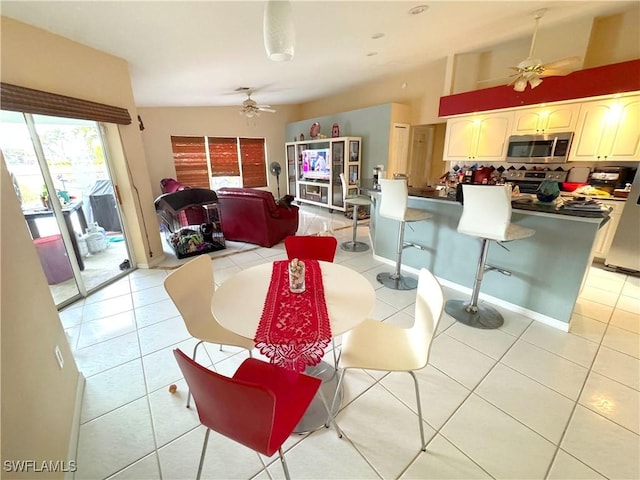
61 175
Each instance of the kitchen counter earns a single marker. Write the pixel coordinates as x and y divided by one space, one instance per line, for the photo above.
523 202
548 269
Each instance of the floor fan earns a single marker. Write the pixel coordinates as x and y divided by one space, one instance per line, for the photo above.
275 170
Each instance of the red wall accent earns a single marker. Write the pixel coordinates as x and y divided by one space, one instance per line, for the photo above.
591 82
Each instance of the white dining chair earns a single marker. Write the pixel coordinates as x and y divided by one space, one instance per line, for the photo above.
191 288
376 345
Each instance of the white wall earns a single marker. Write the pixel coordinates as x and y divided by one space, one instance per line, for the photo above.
38 398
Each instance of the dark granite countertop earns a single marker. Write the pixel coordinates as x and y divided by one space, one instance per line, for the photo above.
523 202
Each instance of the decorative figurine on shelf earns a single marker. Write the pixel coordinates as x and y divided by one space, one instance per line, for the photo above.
315 130
335 130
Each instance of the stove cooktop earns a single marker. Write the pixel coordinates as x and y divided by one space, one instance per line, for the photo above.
534 175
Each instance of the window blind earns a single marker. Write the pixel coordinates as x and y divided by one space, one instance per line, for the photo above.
223 154
190 159
252 157
21 99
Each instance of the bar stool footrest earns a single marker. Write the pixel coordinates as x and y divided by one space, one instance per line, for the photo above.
397 282
484 316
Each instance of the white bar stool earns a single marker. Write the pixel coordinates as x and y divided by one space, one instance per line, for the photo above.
394 197
486 214
355 201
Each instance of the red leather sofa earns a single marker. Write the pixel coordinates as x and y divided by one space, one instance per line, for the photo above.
253 216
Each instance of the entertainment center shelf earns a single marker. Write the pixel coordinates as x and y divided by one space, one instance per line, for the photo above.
314 168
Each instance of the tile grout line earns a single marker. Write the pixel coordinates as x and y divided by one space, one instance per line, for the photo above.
577 400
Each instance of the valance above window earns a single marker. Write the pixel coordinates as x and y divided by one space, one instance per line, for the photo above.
28 100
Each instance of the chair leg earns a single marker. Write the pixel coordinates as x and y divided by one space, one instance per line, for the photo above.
284 464
396 280
330 418
473 305
399 247
195 350
354 245
204 451
423 445
472 314
335 358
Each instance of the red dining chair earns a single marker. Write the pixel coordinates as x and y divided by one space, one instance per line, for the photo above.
311 246
258 407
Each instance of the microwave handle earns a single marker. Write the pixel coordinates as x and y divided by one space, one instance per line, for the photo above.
553 147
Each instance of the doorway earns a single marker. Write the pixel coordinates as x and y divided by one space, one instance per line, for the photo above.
61 175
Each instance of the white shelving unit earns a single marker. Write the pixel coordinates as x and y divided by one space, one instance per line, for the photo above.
314 168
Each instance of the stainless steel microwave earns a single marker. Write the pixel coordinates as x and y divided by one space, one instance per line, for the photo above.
549 148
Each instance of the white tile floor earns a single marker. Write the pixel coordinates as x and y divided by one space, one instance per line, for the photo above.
524 401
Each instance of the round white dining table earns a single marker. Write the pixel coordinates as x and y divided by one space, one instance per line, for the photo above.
237 305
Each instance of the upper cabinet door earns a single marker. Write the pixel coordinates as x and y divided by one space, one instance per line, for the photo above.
478 137
608 130
625 133
492 134
460 139
551 119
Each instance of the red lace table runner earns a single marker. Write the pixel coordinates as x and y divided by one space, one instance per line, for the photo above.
294 328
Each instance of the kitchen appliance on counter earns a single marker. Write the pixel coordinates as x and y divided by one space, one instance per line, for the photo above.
549 148
625 248
528 181
610 178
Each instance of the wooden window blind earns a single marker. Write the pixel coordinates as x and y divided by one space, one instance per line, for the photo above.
228 156
223 155
190 159
252 157
27 100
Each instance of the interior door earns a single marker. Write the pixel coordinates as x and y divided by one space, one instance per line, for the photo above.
61 176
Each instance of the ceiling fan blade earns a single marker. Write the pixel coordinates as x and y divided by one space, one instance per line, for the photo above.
498 79
270 110
567 62
561 67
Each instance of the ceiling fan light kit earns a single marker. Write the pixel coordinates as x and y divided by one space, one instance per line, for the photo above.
250 107
279 34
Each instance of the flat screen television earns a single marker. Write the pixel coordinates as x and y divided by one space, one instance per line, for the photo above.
316 164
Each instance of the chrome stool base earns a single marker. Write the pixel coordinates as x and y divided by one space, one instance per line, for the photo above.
480 316
397 282
352 246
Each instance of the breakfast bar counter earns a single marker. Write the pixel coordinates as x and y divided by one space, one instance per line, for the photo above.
548 269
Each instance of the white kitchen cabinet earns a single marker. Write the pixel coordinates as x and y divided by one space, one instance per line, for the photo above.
605 235
608 130
478 137
548 119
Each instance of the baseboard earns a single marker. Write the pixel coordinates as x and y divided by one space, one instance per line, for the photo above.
72 454
552 322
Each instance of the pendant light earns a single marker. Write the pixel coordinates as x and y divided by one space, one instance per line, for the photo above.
279 35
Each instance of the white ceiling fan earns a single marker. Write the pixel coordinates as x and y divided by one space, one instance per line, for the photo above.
250 107
531 70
